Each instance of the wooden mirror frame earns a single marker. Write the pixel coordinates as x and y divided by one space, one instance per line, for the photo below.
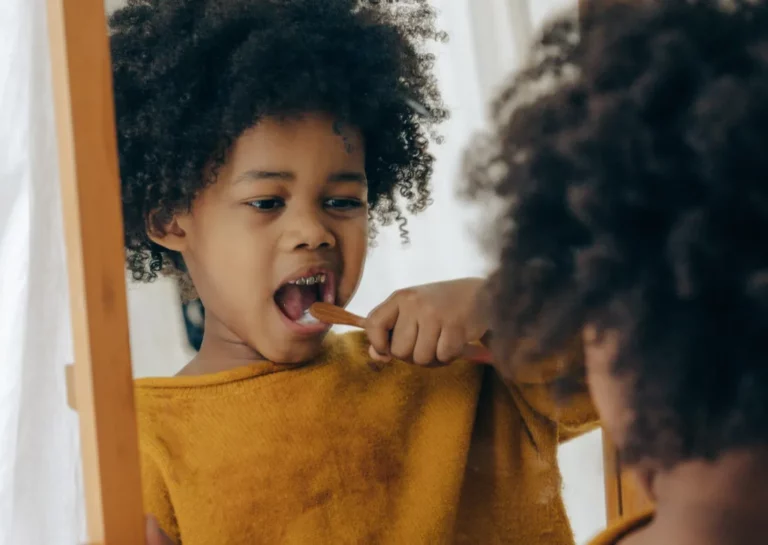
93 229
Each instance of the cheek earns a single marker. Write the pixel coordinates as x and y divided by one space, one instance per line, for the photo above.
354 249
230 254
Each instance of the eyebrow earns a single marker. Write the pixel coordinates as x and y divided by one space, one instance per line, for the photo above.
265 175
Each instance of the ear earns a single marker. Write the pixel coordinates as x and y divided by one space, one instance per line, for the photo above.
168 233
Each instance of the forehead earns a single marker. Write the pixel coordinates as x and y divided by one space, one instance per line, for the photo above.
309 140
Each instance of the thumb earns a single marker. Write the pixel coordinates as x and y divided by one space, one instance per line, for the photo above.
375 356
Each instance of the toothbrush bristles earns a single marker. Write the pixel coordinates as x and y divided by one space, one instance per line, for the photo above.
307 319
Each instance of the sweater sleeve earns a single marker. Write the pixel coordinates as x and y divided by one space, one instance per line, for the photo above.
572 415
157 500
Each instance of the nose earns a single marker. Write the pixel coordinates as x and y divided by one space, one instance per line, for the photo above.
307 231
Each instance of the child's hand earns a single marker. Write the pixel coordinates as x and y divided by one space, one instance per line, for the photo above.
429 324
155 536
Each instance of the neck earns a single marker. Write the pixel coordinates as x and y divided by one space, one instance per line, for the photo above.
713 503
221 350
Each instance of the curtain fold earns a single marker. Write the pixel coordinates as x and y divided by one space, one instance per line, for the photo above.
41 499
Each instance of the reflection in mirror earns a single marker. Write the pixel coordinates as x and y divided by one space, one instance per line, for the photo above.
253 428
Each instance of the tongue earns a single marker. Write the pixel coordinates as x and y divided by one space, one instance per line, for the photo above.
294 299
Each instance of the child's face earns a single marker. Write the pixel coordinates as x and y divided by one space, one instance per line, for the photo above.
285 224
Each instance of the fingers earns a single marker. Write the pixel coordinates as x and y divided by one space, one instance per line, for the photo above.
377 359
404 337
378 325
425 348
405 328
450 345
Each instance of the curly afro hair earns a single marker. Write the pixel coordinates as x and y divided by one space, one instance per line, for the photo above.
190 76
630 157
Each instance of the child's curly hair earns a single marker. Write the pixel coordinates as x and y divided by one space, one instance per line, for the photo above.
190 76
633 165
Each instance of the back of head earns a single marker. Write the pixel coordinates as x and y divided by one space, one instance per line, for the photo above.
632 163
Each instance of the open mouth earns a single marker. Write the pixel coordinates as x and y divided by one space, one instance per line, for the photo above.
296 296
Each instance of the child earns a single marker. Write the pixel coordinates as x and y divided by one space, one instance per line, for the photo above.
257 140
637 205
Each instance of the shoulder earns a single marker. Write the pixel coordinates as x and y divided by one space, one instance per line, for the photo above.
162 416
152 396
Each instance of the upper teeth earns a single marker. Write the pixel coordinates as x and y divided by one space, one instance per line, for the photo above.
309 280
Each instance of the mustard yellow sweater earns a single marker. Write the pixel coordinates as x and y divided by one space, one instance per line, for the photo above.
336 453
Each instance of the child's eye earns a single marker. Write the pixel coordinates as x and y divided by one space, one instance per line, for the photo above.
267 204
343 203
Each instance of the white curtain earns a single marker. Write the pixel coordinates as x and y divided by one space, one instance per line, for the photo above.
40 484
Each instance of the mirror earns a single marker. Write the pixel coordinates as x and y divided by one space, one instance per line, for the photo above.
166 329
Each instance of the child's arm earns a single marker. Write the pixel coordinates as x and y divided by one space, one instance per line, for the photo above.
157 502
431 324
535 385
